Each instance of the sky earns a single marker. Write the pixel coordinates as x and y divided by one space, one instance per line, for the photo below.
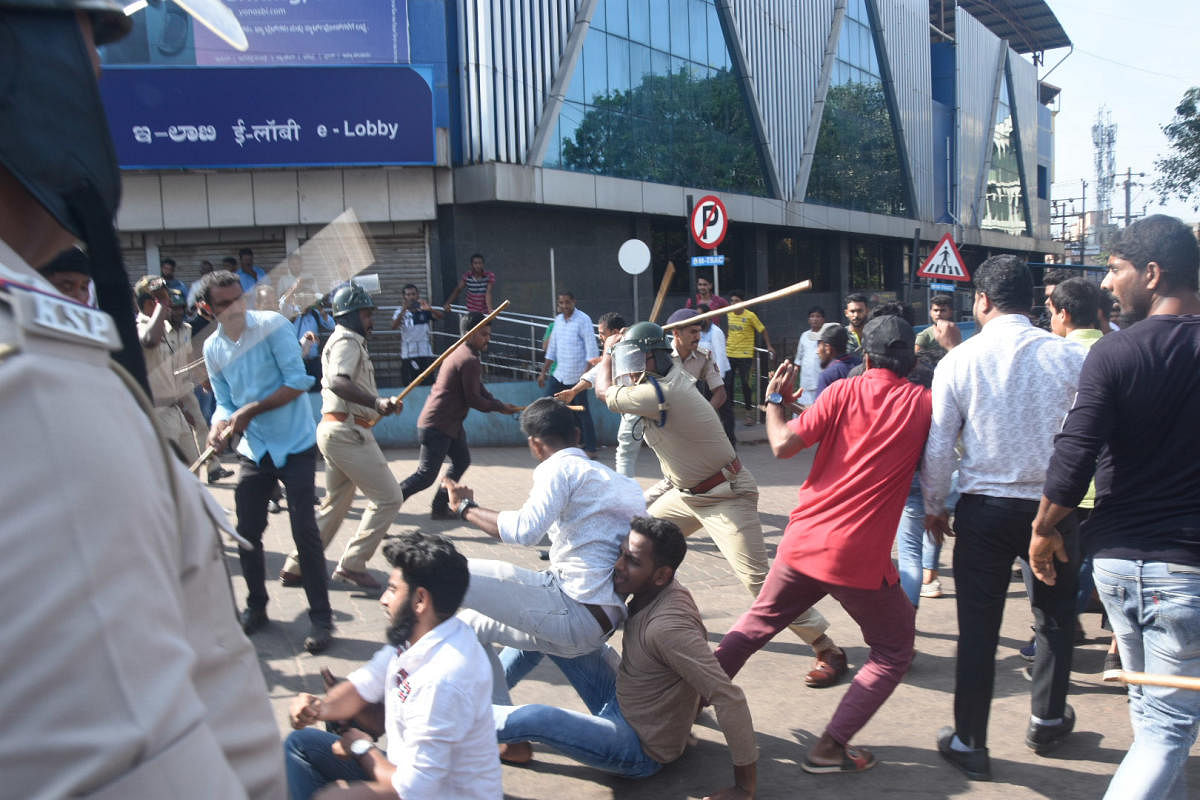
1137 58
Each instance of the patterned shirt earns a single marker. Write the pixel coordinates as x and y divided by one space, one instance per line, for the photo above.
1005 391
414 332
572 344
476 290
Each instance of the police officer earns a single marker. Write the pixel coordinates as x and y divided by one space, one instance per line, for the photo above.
123 660
710 488
350 407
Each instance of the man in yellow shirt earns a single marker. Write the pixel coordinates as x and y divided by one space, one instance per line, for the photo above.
739 347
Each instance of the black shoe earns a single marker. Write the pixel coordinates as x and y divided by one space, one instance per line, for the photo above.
219 474
253 619
1112 668
1044 738
273 506
320 636
974 764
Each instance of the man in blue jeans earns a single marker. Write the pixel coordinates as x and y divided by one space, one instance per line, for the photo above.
642 712
1136 412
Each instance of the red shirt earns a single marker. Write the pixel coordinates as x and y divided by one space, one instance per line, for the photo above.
872 430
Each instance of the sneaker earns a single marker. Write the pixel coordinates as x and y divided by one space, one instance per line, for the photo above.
320 636
1029 651
931 589
356 577
1113 669
973 763
273 506
1041 739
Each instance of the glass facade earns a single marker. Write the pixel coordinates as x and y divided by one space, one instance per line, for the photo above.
1004 203
654 98
856 163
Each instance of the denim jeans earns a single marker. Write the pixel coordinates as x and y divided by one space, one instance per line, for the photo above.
584 418
1154 609
600 739
310 763
629 445
915 548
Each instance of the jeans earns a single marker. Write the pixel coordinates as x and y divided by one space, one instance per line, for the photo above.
915 548
527 610
584 418
600 739
310 763
629 445
887 622
256 483
435 446
1154 608
992 532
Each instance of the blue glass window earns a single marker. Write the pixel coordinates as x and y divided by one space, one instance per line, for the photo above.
639 20
1004 203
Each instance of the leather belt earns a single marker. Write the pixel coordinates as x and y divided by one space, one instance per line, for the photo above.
1011 504
703 486
601 616
341 416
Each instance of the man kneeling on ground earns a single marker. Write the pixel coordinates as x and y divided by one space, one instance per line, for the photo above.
435 683
642 713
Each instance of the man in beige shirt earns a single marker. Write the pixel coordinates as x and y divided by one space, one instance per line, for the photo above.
696 359
160 342
350 407
710 488
646 705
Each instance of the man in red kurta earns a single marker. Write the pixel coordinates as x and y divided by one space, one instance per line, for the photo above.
871 430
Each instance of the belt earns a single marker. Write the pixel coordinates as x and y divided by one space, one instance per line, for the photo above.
1007 503
601 616
341 416
703 486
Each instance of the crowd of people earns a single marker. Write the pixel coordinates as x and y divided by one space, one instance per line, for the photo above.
131 674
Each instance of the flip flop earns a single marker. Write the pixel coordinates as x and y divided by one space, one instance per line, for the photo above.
855 759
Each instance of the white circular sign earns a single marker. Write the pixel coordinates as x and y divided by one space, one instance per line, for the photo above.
634 256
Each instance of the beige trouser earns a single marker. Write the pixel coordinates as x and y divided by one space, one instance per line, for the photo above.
729 513
177 430
353 460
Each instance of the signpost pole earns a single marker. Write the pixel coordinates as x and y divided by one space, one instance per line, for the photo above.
635 297
691 247
716 275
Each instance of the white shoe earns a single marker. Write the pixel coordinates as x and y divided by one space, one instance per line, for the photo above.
931 589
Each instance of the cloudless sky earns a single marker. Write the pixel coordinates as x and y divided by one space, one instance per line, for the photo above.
1137 58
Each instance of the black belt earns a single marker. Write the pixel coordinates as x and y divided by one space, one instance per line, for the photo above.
1006 503
601 616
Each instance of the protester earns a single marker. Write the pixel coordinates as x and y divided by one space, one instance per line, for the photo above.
569 350
705 296
415 321
739 347
856 311
807 360
478 284
832 355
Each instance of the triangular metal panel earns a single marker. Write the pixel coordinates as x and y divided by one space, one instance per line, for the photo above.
904 25
980 60
783 46
1024 85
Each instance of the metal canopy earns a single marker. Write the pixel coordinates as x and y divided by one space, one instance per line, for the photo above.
1029 26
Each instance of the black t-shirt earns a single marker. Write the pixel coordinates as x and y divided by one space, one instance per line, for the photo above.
1136 424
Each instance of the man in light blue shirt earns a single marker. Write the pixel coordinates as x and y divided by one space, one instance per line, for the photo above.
249 275
571 348
259 382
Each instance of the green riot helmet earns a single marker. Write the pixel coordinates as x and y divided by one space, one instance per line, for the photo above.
629 355
349 299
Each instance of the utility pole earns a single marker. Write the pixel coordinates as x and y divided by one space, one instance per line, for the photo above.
1083 223
1128 184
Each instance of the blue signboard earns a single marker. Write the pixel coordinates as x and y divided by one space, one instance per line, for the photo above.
708 261
164 118
942 287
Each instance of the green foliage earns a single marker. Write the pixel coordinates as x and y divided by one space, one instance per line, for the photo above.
671 129
856 164
1179 172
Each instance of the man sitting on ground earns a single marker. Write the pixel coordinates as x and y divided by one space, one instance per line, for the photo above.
642 712
433 680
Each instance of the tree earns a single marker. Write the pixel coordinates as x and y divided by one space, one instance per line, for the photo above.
671 129
1179 172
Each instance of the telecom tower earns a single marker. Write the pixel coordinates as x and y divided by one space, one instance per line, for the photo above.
1104 139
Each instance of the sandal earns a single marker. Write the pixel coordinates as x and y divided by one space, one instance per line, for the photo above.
854 759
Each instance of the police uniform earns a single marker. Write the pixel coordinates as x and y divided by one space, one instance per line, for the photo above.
161 363
353 459
126 674
709 486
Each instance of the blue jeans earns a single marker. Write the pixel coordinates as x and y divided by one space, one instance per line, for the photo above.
915 549
310 763
1154 609
586 426
601 739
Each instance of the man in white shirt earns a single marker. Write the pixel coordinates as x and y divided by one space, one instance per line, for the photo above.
585 508
1005 392
571 348
806 356
415 319
433 680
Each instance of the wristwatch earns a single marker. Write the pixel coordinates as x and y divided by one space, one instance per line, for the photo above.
465 504
775 398
360 747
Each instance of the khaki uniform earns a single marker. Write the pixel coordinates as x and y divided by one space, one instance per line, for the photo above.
126 674
353 459
703 367
161 362
692 447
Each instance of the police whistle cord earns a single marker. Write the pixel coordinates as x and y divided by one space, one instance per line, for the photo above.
663 285
762 298
1167 681
429 370
209 452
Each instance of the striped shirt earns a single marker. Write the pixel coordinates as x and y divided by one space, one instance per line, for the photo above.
477 286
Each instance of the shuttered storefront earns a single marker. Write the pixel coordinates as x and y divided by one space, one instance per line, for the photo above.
399 260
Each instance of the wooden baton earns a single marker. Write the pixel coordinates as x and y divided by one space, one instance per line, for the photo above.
663 285
1166 681
437 361
762 298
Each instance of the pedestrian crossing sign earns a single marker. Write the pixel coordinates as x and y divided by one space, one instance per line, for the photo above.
945 262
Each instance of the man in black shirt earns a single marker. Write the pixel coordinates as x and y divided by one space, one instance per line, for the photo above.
1136 412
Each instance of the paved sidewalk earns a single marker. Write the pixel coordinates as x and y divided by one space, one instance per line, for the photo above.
787 715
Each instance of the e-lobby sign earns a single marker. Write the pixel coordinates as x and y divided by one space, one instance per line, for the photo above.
163 118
